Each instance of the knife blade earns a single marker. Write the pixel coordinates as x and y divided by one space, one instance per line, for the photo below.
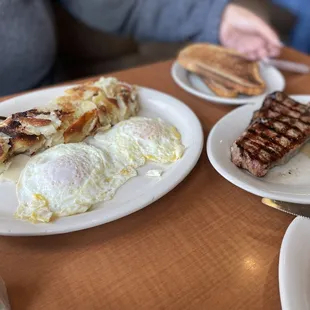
288 207
287 65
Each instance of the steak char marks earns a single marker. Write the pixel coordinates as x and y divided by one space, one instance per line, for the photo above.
276 133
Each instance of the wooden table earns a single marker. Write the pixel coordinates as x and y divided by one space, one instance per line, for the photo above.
205 245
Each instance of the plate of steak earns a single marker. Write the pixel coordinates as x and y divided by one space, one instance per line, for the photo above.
264 148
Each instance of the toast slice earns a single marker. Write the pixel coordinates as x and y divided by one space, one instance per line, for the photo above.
220 86
227 72
220 89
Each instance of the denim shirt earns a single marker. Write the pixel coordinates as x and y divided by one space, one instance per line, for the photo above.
300 36
28 41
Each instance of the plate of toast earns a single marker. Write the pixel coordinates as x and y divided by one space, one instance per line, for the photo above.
221 75
263 148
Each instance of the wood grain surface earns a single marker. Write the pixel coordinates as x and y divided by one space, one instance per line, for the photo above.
205 245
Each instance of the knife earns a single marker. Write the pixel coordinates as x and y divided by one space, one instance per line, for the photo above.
288 207
287 65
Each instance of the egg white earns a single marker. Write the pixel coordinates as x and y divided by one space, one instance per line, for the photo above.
140 139
68 179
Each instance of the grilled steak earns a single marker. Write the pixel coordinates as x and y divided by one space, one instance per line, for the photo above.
276 133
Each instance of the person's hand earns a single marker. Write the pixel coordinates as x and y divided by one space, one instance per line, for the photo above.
245 32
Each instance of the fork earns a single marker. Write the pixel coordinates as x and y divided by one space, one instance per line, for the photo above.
287 65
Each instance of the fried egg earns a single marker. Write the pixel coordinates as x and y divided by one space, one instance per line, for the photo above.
140 139
68 179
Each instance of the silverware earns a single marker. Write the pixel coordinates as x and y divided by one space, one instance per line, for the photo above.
287 65
288 207
4 299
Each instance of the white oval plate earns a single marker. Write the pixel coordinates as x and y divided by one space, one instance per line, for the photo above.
289 182
294 266
193 84
136 193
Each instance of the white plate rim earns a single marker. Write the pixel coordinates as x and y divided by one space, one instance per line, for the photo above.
175 68
142 200
288 302
239 183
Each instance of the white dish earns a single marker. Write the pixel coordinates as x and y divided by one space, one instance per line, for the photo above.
193 84
135 194
294 266
289 182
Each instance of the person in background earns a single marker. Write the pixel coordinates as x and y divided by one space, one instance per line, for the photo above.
28 42
300 36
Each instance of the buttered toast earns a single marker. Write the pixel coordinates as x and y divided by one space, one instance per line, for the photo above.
226 72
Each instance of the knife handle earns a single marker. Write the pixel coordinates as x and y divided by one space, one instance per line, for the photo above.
288 65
